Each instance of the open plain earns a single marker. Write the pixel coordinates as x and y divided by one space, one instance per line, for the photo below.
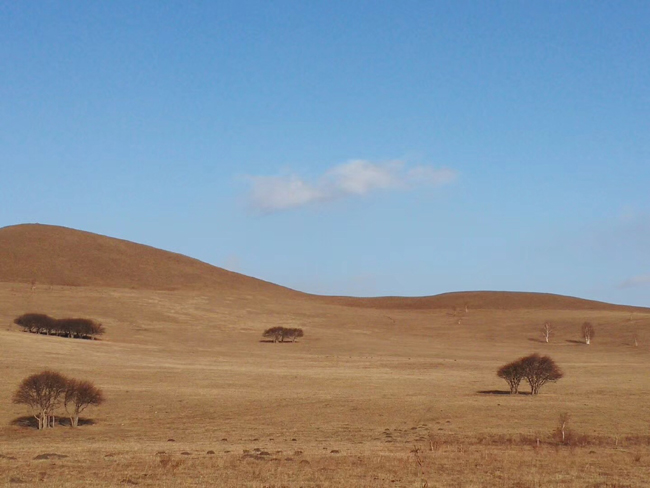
379 392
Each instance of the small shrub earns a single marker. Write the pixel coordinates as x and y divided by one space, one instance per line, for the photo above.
279 334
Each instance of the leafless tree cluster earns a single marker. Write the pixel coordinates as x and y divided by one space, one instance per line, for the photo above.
47 391
536 369
587 331
38 323
279 334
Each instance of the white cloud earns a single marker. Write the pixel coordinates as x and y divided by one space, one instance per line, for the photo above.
359 177
272 193
354 178
636 281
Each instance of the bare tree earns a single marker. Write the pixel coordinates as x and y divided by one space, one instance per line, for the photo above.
547 330
513 373
78 396
563 422
538 370
42 393
588 332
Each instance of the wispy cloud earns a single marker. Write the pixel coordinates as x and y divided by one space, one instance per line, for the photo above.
355 178
636 282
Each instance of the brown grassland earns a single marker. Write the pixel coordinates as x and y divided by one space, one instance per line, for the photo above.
384 392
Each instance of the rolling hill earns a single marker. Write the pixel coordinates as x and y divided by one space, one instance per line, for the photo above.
55 255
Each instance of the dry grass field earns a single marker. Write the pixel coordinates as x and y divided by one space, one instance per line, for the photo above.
383 392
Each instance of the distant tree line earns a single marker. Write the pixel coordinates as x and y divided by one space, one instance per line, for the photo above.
46 391
38 323
279 334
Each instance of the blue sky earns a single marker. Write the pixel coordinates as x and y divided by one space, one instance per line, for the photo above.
342 147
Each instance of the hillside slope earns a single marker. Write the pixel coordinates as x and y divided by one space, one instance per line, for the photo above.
55 255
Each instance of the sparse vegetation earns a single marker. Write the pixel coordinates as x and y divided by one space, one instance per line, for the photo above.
279 334
38 323
44 392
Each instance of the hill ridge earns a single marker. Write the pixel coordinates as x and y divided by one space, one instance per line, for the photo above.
484 299
55 255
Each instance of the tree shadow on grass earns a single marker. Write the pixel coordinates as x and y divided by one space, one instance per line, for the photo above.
267 341
534 339
573 341
501 392
25 421
29 422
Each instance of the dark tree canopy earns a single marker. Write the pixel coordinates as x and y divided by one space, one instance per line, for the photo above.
279 334
39 323
513 374
536 369
539 370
